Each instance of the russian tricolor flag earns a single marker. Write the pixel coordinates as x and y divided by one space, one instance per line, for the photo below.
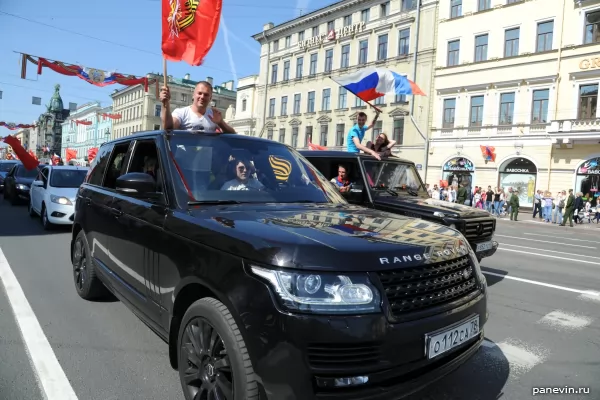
371 83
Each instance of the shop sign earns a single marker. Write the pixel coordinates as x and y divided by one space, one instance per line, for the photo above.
459 164
589 63
332 35
590 167
517 170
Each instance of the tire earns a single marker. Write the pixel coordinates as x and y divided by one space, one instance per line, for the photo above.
45 222
210 313
32 213
87 283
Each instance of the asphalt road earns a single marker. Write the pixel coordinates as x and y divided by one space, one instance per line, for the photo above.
544 329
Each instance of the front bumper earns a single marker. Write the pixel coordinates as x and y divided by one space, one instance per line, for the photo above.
298 356
60 214
485 253
22 194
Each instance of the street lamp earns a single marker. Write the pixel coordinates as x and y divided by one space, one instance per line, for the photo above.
107 134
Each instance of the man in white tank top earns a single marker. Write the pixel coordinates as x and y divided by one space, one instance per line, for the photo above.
199 116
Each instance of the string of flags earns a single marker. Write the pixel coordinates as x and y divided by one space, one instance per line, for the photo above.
13 126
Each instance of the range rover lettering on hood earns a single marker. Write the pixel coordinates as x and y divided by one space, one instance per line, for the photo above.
458 251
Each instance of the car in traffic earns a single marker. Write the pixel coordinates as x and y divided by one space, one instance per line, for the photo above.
17 184
53 193
393 184
263 280
5 167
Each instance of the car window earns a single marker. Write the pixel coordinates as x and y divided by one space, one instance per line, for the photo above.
67 178
98 166
6 167
145 158
238 168
393 175
117 164
24 173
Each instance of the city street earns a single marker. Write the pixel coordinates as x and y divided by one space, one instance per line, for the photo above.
543 331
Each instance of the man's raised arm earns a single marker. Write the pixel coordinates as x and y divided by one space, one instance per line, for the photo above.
167 119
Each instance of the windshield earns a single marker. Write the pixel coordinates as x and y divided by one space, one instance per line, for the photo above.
6 167
397 176
23 173
236 168
67 178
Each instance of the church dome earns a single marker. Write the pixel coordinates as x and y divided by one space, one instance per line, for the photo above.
56 103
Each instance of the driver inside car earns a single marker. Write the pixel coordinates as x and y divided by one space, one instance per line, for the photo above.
243 177
342 180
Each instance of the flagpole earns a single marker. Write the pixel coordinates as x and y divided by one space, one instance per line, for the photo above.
369 103
165 71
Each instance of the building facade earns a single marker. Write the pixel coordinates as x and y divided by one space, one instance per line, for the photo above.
243 118
296 99
85 137
140 110
49 126
520 79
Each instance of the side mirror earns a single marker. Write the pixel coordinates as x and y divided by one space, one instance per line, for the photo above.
38 183
136 184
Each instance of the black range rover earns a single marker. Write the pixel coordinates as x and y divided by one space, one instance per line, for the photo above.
263 280
394 185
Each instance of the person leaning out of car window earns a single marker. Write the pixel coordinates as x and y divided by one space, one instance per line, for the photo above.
244 180
357 133
382 146
342 180
199 116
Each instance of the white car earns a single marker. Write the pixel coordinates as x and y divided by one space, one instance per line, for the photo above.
53 194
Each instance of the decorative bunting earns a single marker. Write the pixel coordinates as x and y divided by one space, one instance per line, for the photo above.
80 122
13 127
94 76
109 116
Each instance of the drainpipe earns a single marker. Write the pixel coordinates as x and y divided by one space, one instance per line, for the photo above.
264 118
558 79
414 79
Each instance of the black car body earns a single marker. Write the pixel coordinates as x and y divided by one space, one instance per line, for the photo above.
406 198
5 167
308 297
17 184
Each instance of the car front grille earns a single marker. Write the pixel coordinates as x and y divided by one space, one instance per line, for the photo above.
335 355
479 229
416 289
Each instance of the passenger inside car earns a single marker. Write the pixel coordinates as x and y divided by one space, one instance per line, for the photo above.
244 179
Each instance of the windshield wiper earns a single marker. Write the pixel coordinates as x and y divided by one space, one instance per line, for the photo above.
212 202
409 190
380 189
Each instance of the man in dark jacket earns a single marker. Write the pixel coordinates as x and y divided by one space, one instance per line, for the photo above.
461 194
569 209
514 205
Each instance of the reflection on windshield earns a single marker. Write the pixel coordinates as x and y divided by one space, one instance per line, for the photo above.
23 173
236 168
67 178
6 167
396 176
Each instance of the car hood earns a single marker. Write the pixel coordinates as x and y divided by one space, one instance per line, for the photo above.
431 206
339 238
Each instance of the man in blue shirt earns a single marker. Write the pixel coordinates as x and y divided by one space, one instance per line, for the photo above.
357 133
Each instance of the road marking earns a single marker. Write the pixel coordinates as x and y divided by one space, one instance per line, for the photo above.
549 285
545 255
594 296
50 374
563 238
561 319
520 356
544 241
549 251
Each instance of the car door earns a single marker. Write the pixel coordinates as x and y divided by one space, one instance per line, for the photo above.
9 182
137 246
329 167
38 192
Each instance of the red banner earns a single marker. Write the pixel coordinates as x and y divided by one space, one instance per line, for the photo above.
70 154
189 29
92 154
94 76
13 127
28 161
81 122
110 116
312 146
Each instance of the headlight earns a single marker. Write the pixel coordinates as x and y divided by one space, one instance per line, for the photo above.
323 293
60 200
20 186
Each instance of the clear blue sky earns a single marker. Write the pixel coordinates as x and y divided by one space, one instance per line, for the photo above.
122 36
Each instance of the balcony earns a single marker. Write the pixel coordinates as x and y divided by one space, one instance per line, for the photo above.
575 126
489 130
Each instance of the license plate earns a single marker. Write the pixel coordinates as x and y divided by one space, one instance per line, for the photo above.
484 246
448 338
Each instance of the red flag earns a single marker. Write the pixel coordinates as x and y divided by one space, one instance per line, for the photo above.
70 154
189 29
32 154
92 154
488 153
312 146
28 162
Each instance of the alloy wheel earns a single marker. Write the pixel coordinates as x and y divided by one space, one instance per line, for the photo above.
79 265
207 373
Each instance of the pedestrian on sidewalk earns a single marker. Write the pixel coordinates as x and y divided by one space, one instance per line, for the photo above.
514 205
547 201
569 209
489 199
537 204
578 207
560 206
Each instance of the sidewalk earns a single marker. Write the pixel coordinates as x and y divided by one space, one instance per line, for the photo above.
527 217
